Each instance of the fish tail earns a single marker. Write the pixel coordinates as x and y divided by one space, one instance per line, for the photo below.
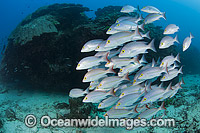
139 18
158 61
141 26
176 39
110 70
136 59
177 58
180 70
162 106
175 65
161 84
165 69
138 8
135 109
137 32
126 77
143 60
182 81
153 62
111 92
105 58
86 91
147 35
191 36
151 45
147 86
164 15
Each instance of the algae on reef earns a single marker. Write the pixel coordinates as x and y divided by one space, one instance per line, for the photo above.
45 47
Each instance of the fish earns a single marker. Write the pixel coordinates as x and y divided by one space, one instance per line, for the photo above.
76 92
101 47
132 89
151 9
111 53
120 38
91 45
117 62
153 17
91 61
97 96
146 35
151 112
97 74
173 67
169 60
119 113
128 100
171 29
112 30
108 102
111 82
171 74
126 25
132 49
154 94
128 9
187 41
152 72
167 41
124 18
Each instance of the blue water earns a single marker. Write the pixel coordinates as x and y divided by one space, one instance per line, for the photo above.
184 13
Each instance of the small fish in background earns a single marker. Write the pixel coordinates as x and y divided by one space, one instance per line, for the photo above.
128 9
153 17
187 42
168 41
151 9
171 29
76 92
149 113
91 45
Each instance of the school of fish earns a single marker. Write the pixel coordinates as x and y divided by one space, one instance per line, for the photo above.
121 80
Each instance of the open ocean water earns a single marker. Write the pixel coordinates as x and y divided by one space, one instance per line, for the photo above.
43 85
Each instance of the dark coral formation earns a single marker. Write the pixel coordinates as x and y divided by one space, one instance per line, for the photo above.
46 54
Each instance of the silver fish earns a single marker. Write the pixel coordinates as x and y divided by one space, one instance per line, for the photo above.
120 38
151 112
132 89
91 61
129 69
119 113
96 74
91 45
108 102
151 9
112 81
101 47
96 96
126 25
171 74
187 42
153 17
171 29
169 60
132 49
124 18
128 9
168 41
112 30
76 92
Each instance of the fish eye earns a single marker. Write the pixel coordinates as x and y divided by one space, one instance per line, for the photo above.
109 29
183 46
164 77
122 94
83 47
162 64
78 65
90 86
123 51
100 85
108 41
141 75
118 24
85 78
92 82
162 43
121 70
134 81
85 98
165 30
97 47
139 118
118 104
117 21
99 105
122 9
144 99
106 114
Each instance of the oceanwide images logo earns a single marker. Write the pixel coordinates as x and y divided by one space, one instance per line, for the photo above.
47 121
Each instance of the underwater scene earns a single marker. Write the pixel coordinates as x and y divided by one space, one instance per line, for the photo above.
93 66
